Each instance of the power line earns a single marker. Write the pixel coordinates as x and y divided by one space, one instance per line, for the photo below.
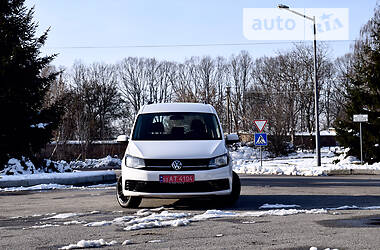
190 45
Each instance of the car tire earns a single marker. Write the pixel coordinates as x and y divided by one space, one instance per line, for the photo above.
126 201
236 188
231 199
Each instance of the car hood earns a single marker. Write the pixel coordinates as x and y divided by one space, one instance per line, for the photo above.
176 149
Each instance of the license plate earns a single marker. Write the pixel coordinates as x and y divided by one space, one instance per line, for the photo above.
177 178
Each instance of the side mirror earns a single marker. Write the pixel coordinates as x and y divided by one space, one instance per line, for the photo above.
232 138
122 139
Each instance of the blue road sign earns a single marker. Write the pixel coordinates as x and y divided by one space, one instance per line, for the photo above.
261 139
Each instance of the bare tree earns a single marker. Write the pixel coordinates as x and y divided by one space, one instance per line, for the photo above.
240 74
132 76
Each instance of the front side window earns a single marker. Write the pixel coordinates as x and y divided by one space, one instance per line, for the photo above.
177 126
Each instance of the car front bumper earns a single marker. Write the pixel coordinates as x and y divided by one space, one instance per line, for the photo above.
145 183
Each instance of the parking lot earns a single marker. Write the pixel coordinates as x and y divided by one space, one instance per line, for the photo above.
349 219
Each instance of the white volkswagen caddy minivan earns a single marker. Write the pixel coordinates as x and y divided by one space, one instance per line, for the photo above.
177 150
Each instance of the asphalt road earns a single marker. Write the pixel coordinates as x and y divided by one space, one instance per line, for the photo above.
345 229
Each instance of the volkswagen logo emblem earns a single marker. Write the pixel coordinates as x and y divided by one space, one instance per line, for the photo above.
176 165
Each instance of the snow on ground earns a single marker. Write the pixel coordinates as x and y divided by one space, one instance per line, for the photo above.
89 244
34 188
244 159
315 248
120 220
285 212
73 222
62 216
353 207
247 160
97 163
126 242
166 218
53 186
69 215
212 214
152 220
52 176
25 166
270 206
160 217
98 223
42 226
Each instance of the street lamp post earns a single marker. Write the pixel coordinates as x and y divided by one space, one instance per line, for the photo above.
316 94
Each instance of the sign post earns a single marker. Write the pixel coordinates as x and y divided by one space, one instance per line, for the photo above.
261 138
361 118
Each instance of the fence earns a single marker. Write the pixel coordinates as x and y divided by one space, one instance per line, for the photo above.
72 150
304 141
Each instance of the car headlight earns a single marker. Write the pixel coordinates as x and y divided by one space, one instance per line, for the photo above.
134 162
219 161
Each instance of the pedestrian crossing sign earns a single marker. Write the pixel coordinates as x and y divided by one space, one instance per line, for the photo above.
261 139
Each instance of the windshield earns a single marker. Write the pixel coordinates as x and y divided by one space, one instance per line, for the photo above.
177 126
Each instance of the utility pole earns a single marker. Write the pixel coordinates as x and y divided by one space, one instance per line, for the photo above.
228 110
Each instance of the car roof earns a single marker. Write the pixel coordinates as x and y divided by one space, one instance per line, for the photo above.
177 107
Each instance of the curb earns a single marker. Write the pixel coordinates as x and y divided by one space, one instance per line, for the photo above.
77 178
354 172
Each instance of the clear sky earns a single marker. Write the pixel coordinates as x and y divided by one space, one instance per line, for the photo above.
108 31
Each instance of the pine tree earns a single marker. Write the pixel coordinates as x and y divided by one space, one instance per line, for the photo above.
26 125
363 94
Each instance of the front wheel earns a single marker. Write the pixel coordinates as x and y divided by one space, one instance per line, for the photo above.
126 201
230 200
236 188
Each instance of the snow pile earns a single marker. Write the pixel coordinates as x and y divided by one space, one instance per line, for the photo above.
42 226
353 207
89 244
165 218
212 214
246 154
98 224
155 241
15 167
245 160
69 215
153 220
39 125
284 212
25 166
34 188
126 242
97 163
148 219
53 186
56 166
315 248
62 216
271 206
73 222
120 220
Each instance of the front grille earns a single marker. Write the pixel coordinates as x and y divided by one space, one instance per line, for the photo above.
169 168
195 187
187 164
